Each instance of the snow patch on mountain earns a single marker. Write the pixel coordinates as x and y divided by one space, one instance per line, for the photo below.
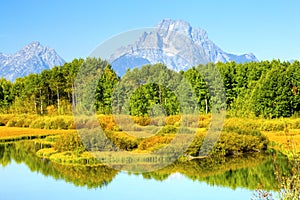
176 44
32 58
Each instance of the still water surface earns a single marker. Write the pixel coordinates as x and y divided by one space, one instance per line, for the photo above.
18 182
25 176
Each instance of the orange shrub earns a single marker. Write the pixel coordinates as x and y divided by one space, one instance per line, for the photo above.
151 142
107 122
141 120
172 119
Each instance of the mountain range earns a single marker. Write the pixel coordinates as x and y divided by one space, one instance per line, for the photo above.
32 58
172 42
176 44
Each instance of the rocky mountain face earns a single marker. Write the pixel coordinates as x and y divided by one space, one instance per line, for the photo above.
176 44
173 42
33 58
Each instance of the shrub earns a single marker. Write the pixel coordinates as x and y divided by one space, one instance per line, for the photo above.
273 125
204 121
55 122
241 131
177 124
154 141
171 120
45 152
167 130
231 143
92 124
295 123
107 122
185 130
195 146
157 121
51 110
4 119
141 120
191 120
11 123
69 142
21 120
123 140
95 140
38 123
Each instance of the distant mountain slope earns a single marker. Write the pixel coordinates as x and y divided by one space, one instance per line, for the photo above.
33 58
176 44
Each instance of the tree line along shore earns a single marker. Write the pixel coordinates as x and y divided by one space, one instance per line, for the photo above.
262 106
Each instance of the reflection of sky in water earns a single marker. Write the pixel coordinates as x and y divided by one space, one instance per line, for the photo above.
175 177
18 182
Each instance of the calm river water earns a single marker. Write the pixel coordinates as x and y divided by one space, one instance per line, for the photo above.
25 176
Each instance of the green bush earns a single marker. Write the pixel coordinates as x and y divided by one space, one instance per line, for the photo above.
57 122
168 129
154 141
95 140
295 123
123 140
273 125
231 143
41 122
241 131
21 120
4 119
38 123
69 142
195 146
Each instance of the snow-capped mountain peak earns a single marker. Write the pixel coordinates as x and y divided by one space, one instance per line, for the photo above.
32 58
176 44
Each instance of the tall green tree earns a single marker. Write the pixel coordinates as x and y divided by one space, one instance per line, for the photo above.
200 87
273 94
104 90
5 94
228 74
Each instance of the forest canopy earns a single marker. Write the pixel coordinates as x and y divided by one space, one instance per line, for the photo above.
268 89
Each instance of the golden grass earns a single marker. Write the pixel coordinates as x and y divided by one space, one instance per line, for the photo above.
273 129
14 132
285 139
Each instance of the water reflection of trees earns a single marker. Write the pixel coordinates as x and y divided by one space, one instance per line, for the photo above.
250 171
79 175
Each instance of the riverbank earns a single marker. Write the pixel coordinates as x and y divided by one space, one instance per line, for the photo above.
238 135
16 133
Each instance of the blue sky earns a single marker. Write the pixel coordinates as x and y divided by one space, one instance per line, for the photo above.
268 28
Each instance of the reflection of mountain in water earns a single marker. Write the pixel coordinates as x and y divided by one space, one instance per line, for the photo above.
248 171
